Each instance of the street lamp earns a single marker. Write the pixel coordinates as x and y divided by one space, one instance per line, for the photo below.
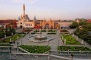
12 34
5 36
17 45
58 42
49 52
10 47
21 41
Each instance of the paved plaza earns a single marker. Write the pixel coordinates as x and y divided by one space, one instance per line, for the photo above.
53 43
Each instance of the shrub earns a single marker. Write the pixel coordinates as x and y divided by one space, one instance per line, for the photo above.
35 49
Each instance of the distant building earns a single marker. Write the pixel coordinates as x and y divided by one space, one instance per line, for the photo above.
7 23
25 22
89 20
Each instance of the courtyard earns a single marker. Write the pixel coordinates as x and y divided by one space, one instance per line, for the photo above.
51 45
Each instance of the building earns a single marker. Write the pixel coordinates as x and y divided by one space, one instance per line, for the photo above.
7 23
25 22
64 24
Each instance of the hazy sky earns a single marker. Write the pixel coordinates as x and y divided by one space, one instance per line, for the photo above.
54 9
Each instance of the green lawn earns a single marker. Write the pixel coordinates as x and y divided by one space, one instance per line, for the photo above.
13 38
72 48
36 49
5 44
70 40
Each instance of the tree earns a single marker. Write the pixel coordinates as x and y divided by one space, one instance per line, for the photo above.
84 32
74 25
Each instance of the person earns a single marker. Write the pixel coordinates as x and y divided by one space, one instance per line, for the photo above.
71 57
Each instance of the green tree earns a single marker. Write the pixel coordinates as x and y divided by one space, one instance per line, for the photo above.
74 25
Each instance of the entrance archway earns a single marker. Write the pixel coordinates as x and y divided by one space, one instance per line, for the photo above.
46 26
21 26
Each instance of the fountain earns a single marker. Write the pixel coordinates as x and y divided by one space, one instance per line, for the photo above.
39 37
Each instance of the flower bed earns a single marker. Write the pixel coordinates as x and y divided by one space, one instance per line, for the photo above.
69 40
63 31
33 33
73 48
36 31
52 31
36 49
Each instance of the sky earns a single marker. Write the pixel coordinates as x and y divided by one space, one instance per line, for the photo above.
54 9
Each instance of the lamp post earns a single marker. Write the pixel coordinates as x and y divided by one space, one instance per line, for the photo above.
17 45
12 34
58 42
10 47
21 41
5 36
49 52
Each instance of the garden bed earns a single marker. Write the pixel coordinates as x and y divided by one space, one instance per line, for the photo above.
64 32
33 33
73 48
35 49
69 40
51 33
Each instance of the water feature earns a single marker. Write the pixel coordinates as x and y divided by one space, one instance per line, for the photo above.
40 37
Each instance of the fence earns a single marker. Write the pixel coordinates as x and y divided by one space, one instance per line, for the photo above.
29 56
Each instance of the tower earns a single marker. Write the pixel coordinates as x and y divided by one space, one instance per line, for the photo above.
35 18
23 9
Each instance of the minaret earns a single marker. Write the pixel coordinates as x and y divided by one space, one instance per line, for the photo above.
35 18
23 9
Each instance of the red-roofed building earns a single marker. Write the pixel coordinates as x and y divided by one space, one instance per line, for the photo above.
89 20
8 23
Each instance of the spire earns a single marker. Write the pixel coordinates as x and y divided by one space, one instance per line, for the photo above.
19 18
23 9
35 18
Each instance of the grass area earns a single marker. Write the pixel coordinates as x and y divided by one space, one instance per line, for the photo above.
36 49
72 48
5 44
13 38
70 40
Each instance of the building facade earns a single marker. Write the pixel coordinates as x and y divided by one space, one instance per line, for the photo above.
25 22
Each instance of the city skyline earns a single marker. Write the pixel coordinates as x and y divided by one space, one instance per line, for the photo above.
54 9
